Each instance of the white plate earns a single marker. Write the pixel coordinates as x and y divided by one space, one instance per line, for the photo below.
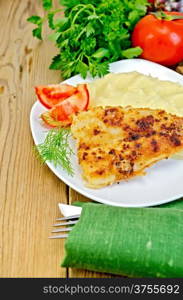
163 182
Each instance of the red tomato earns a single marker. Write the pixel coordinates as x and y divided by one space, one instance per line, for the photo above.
48 120
53 94
161 40
61 114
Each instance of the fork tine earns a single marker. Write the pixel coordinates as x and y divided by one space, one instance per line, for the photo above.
61 236
68 218
66 223
70 221
62 229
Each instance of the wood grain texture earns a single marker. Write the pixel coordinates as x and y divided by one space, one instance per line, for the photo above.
29 192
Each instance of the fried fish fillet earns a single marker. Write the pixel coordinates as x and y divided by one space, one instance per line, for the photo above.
116 143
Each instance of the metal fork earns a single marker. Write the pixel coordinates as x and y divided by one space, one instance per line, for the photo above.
69 221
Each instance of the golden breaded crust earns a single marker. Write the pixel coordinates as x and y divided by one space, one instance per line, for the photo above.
116 143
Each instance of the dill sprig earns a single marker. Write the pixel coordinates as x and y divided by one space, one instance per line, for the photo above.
56 149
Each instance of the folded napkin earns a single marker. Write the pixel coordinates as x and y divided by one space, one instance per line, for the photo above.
137 242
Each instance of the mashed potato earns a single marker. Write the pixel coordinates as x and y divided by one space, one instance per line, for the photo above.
137 90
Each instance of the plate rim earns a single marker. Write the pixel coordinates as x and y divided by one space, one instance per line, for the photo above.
78 189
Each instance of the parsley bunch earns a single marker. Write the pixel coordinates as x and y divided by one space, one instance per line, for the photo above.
92 33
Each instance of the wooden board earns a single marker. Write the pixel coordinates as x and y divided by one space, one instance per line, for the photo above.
29 192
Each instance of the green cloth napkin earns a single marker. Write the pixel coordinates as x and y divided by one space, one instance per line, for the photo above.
137 242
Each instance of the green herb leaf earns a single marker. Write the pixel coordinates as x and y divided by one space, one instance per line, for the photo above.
37 32
133 18
56 63
89 29
101 53
50 20
35 20
99 69
58 23
92 34
82 68
102 68
56 149
70 3
54 36
132 52
47 4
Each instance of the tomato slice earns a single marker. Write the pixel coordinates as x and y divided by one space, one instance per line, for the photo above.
62 111
51 122
53 94
61 114
81 100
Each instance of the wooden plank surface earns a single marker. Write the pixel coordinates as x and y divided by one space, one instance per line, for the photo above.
29 192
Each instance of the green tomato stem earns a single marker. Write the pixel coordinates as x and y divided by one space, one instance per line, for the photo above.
161 15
